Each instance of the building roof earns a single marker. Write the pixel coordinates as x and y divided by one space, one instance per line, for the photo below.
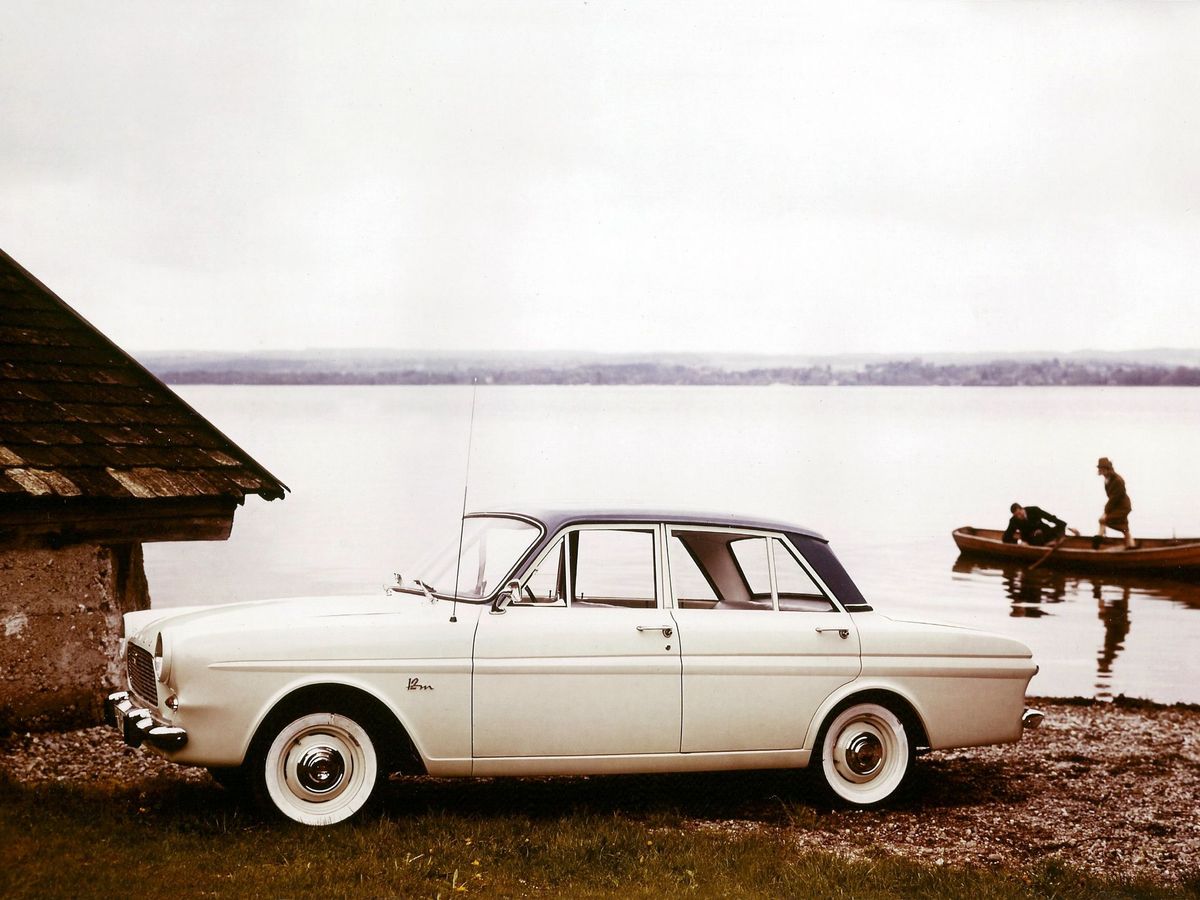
82 421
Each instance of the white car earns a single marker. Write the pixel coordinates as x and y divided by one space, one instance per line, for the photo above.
569 642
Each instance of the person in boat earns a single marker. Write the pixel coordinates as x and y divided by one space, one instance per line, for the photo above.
1117 506
1033 525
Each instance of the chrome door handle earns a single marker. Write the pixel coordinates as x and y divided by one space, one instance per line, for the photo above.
666 630
843 633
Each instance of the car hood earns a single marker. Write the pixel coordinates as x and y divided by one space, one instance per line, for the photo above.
325 617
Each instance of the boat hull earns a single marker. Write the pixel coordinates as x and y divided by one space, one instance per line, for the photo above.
1167 556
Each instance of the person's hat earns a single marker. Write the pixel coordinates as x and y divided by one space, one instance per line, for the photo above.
1104 463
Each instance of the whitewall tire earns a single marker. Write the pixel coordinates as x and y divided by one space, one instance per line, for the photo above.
320 769
865 754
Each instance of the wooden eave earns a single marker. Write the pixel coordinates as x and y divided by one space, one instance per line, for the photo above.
59 522
85 430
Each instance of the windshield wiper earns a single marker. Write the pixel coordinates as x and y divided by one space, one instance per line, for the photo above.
426 589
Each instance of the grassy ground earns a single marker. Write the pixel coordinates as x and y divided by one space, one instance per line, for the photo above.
494 839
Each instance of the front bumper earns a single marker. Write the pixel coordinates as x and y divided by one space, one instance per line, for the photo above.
138 726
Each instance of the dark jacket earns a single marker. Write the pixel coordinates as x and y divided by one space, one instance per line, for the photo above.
1037 526
1118 505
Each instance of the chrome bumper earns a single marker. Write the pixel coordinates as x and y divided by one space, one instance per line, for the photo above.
1032 718
138 726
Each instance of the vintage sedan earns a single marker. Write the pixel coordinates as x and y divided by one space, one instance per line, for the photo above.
566 642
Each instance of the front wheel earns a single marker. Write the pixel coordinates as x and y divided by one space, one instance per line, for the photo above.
865 754
319 769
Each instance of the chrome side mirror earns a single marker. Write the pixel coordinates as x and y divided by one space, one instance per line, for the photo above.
505 598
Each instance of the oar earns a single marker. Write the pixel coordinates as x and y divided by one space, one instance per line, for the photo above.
1053 547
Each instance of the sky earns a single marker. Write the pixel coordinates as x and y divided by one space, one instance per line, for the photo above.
776 177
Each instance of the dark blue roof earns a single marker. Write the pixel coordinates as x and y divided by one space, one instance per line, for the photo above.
555 518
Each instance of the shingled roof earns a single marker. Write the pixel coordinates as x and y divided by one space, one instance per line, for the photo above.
85 430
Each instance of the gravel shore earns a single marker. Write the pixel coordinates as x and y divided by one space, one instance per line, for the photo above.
1110 788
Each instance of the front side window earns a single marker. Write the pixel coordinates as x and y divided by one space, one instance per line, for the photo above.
613 567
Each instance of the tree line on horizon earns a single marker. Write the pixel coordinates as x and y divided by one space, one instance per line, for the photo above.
902 373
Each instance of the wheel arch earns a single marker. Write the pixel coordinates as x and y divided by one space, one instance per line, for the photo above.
890 697
397 749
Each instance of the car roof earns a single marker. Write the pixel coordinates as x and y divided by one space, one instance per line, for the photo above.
555 518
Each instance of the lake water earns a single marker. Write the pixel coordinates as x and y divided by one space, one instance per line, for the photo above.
377 476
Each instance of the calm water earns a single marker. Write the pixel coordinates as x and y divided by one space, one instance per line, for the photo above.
885 473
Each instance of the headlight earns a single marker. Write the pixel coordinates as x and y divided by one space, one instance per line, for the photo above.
162 659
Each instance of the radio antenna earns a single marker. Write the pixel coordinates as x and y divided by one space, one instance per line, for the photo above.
462 520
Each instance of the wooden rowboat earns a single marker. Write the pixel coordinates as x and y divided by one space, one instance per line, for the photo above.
1168 556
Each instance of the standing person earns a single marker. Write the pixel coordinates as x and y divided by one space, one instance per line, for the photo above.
1118 506
1033 525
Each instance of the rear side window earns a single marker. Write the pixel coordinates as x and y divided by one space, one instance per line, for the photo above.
693 589
751 554
719 570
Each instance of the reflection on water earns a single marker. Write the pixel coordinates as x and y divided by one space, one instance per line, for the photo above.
1029 590
1114 613
1033 593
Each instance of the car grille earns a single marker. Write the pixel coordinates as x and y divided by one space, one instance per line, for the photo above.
140 665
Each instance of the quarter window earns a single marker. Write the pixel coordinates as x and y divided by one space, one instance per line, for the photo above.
797 590
547 583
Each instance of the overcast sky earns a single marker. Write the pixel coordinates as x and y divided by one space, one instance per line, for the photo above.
775 177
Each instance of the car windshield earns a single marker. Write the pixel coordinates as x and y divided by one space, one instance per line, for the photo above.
491 548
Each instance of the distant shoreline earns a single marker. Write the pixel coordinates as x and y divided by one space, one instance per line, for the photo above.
914 373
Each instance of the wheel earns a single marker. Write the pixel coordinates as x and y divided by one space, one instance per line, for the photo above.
319 768
865 754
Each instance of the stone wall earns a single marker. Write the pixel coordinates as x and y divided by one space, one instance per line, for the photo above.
60 619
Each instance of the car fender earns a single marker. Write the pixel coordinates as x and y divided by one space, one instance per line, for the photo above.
361 685
852 689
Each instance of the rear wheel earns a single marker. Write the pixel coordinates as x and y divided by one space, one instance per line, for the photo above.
318 768
866 754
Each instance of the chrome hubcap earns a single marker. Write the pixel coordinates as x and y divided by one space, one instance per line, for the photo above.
864 754
320 769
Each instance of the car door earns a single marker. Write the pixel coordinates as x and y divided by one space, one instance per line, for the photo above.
586 662
762 642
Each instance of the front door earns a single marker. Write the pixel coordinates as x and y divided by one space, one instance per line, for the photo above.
586 662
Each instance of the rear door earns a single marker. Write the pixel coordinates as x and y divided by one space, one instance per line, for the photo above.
762 642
